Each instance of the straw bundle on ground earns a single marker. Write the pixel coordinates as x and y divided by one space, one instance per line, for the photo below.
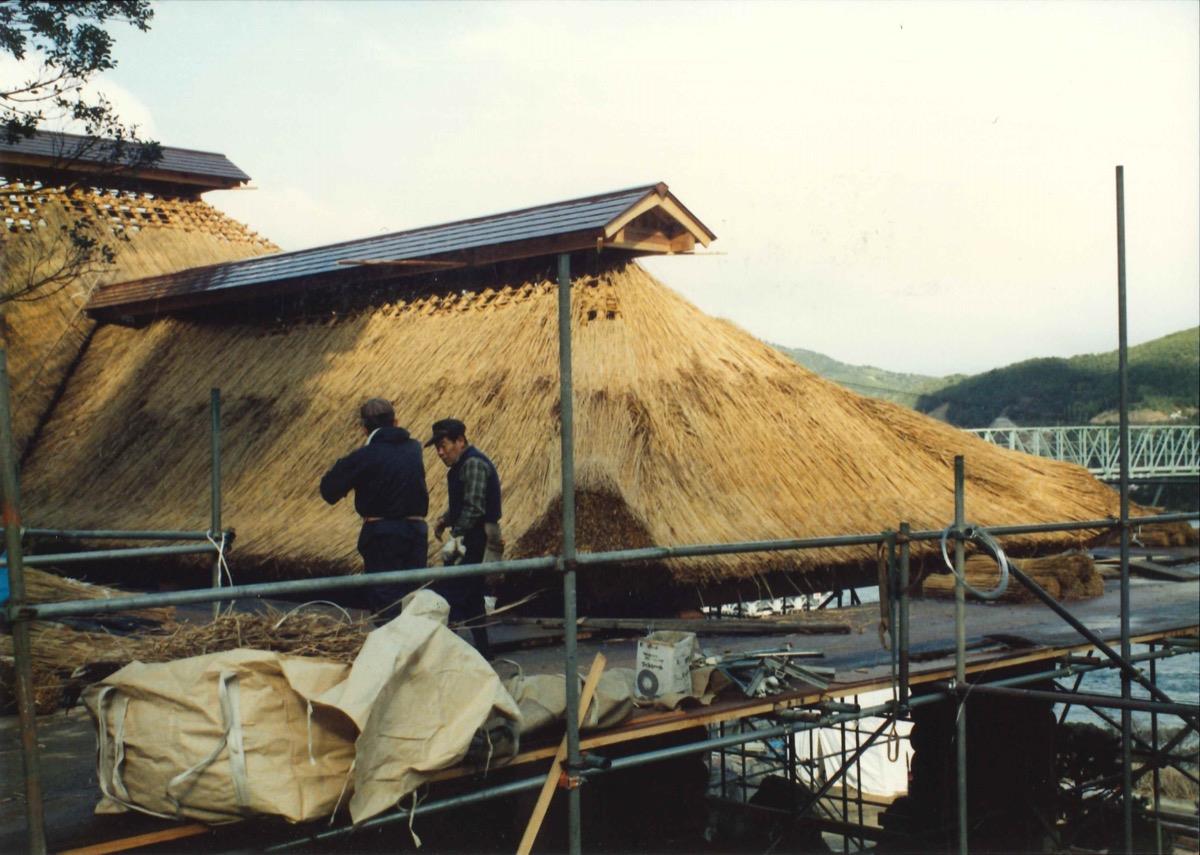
43 587
1068 576
688 430
150 235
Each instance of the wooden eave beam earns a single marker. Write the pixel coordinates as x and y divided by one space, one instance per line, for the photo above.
156 176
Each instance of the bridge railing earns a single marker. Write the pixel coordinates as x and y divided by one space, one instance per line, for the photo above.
1154 450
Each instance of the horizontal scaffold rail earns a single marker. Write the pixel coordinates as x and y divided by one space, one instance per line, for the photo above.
1155 451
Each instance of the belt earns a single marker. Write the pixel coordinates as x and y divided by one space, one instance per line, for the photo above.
393 519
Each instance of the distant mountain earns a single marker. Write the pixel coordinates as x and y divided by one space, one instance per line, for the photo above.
1164 379
867 379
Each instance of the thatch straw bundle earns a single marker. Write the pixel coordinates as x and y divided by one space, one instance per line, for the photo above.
43 587
688 430
1068 576
65 659
151 235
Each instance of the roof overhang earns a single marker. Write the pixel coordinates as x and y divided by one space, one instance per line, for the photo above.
62 158
640 221
58 169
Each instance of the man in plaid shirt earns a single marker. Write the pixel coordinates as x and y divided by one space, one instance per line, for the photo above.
473 517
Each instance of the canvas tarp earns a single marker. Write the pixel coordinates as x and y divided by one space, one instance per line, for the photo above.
542 699
220 737
417 693
882 769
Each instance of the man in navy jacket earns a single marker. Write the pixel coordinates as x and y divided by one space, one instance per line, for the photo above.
387 475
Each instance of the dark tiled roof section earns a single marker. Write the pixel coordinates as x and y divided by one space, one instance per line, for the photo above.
559 218
58 147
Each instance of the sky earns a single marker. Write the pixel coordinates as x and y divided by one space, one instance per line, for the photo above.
925 187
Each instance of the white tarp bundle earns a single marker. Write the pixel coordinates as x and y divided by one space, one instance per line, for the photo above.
245 732
883 766
417 693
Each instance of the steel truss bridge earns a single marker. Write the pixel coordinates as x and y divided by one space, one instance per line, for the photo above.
1156 452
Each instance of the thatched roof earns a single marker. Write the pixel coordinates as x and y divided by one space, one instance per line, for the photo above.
688 430
151 235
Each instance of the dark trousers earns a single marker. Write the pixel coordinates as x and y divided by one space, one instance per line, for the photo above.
465 596
392 545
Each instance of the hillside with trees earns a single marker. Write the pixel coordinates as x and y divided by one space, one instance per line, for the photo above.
1164 378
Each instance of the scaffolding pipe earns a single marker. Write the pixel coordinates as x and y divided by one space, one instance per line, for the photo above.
74 608
215 527
905 559
1122 663
960 647
1156 777
110 534
1104 701
307 586
22 645
1123 386
567 435
653 553
1073 525
108 554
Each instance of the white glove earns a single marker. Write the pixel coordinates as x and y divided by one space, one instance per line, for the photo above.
452 550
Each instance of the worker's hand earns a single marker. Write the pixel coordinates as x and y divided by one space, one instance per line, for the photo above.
440 528
453 550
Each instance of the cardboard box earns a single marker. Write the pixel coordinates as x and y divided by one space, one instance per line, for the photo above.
664 664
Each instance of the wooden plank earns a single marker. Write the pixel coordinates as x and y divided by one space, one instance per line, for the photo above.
659 723
726 626
551 783
124 844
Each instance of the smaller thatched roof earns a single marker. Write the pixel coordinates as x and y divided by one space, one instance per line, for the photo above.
150 234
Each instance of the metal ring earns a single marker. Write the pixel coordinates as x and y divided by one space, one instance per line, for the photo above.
989 543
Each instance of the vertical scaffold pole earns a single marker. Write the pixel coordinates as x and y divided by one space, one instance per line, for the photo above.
902 641
22 647
1123 383
215 532
568 547
1158 830
960 650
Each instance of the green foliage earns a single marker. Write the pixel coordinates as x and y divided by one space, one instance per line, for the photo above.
68 43
1164 375
867 379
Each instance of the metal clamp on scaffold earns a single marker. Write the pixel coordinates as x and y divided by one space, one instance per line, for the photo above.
970 532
